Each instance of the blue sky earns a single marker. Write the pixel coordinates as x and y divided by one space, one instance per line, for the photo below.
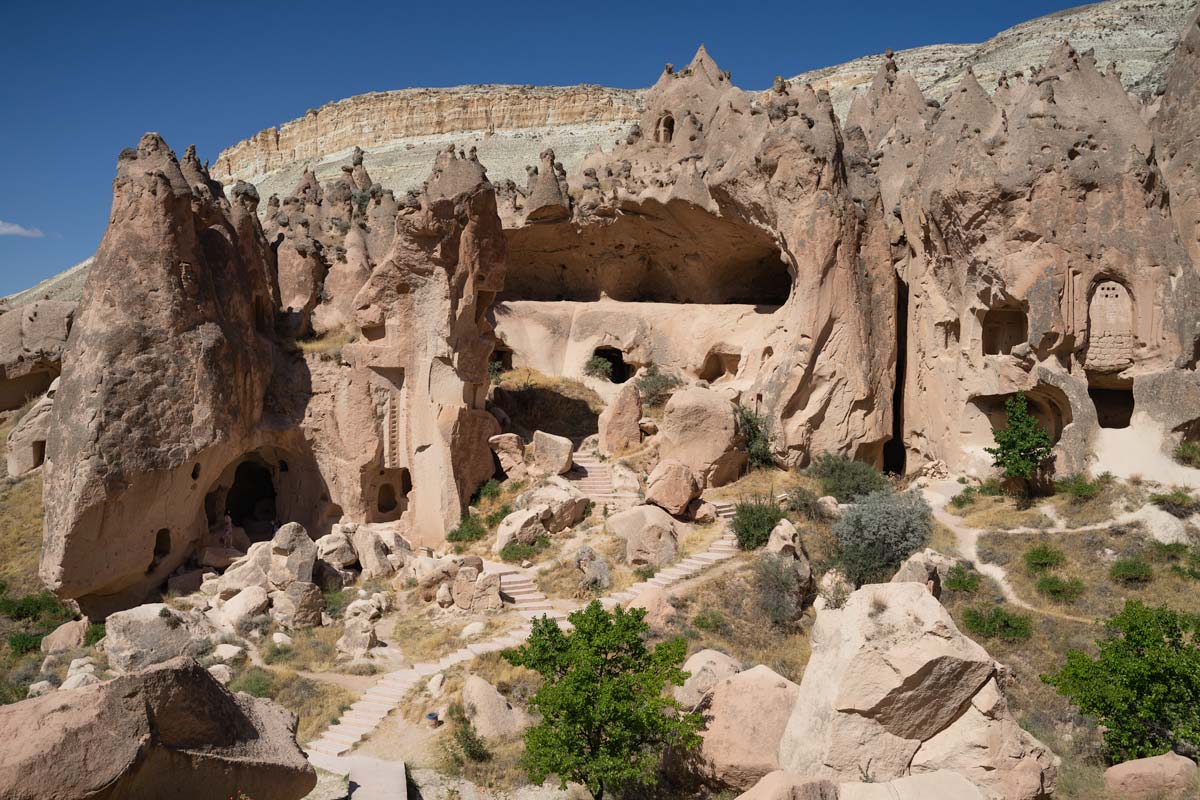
81 81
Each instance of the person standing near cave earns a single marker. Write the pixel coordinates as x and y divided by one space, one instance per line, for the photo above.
227 531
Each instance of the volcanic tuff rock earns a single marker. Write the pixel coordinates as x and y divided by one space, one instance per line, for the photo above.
170 731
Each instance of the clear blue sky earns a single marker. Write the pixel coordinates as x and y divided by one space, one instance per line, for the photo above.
81 81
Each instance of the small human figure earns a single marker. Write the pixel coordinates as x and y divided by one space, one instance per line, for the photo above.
227 531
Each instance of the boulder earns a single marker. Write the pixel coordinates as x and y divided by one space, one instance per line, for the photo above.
67 636
559 504
249 570
169 731
891 679
830 507
651 535
551 454
706 668
672 486
941 785
619 421
298 606
219 557
745 716
222 672
494 717
702 513
596 575
510 452
475 591
186 583
357 639
782 785
785 540
656 602
293 555
699 430
371 552
226 652
523 526
150 634
1168 775
336 550
239 610
79 680
39 688
929 567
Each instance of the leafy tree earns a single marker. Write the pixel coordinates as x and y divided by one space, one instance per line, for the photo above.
606 719
753 426
1144 685
1023 446
753 520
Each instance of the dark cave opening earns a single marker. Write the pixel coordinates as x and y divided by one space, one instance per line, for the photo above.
250 502
616 359
1114 407
894 454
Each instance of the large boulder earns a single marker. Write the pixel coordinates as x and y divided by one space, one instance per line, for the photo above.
170 731
372 553
152 633
1165 776
523 526
250 570
510 452
619 421
783 785
672 486
336 550
560 504
494 717
293 554
745 717
893 682
551 453
705 668
298 606
651 535
236 612
68 636
929 567
699 430
657 605
941 785
475 591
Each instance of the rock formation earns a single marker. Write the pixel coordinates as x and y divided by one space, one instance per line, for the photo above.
32 340
170 731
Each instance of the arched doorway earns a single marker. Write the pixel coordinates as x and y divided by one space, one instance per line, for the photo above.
251 500
665 129
619 371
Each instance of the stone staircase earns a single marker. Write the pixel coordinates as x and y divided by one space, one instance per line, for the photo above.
517 588
593 477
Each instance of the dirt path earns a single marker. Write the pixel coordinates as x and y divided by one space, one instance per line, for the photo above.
967 539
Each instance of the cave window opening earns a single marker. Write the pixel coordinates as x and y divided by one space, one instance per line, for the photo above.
620 370
39 453
1114 407
718 366
162 548
195 471
250 502
502 357
1003 329
387 499
894 455
283 466
665 130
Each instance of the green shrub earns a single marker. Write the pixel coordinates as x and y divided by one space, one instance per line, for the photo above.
1143 685
777 589
1177 502
997 623
470 529
490 490
656 387
1060 589
1023 445
495 370
516 552
43 608
21 642
1188 453
753 521
1079 487
94 634
336 602
1131 571
803 502
470 744
1042 557
277 653
709 620
645 572
847 479
991 488
753 427
598 367
964 498
254 681
961 579
878 532
497 516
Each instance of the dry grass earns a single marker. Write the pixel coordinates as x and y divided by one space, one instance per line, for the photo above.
1000 513
312 650
328 345
556 405
759 482
733 622
426 635
1114 498
943 540
317 704
20 520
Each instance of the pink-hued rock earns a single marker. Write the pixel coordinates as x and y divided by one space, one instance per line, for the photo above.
745 718
1164 776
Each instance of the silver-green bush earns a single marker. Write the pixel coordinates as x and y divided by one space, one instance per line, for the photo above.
878 532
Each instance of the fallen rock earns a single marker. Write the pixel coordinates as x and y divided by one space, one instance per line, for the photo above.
336 550
239 610
651 535
188 582
219 557
699 429
596 575
551 454
79 680
222 672
494 717
298 606
659 611
39 688
706 669
249 570
1152 778
702 513
782 785
510 452
169 731
68 636
745 717
619 421
357 639
785 540
475 591
371 552
929 567
150 634
523 526
892 681
672 486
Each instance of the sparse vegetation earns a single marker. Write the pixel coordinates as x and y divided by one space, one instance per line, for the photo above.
1178 502
753 521
470 529
516 552
753 427
997 622
961 579
1131 570
709 620
1043 557
1063 590
468 744
1080 488
778 592
1023 446
878 532
1188 453
803 501
490 490
847 479
316 703
598 367
656 387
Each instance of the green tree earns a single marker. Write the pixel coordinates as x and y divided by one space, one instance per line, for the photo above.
754 427
606 718
1023 446
1144 684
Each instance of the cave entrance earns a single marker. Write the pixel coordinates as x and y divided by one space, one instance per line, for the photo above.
250 501
895 456
391 497
1003 329
501 359
664 131
620 371
717 366
1114 406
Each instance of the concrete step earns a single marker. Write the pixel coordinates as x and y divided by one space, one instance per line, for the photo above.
371 721
369 707
384 695
353 726
340 737
328 748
